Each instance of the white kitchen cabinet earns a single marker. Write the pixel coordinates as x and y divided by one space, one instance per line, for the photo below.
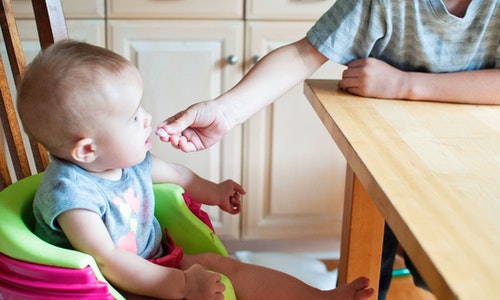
294 175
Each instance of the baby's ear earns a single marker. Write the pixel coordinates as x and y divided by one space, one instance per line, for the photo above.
84 151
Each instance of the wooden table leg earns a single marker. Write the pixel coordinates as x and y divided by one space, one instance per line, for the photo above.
362 235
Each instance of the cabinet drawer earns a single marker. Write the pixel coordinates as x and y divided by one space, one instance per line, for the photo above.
73 9
185 9
286 9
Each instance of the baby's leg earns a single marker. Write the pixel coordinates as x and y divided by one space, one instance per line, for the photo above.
255 282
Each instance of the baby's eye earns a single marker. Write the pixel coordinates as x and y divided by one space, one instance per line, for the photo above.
139 115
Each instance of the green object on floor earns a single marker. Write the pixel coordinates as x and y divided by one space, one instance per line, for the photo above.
400 272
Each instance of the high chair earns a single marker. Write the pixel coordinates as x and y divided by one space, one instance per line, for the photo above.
29 267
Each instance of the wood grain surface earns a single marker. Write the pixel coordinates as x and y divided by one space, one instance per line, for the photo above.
433 171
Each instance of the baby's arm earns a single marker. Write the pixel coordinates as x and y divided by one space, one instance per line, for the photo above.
371 77
128 271
226 194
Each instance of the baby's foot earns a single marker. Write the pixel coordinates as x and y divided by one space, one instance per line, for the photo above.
355 290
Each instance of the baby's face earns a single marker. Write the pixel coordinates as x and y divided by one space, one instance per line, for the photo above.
126 126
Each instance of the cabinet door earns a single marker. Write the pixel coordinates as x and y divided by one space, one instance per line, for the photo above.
293 171
286 9
183 62
180 9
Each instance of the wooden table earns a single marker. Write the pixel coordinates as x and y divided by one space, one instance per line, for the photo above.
432 171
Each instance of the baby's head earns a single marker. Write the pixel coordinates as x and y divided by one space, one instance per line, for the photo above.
69 92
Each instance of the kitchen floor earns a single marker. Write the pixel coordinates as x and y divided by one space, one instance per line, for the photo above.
401 287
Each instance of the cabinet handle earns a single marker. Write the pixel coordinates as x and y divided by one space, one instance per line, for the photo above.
255 59
232 59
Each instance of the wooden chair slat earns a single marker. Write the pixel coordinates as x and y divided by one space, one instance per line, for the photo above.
50 22
11 128
5 179
12 40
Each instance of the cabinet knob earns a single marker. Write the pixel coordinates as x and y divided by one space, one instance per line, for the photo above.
232 59
255 59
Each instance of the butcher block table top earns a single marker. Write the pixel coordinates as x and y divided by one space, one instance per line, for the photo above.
433 172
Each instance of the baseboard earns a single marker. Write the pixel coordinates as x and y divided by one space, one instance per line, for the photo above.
321 249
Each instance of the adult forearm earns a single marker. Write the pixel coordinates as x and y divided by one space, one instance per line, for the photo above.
474 87
274 75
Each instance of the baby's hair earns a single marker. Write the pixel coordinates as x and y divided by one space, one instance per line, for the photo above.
55 95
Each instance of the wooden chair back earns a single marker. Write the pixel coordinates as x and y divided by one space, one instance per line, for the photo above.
51 26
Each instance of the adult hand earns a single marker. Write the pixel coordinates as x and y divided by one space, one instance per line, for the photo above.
198 127
371 77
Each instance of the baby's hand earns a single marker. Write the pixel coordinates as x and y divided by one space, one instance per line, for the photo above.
231 196
203 285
